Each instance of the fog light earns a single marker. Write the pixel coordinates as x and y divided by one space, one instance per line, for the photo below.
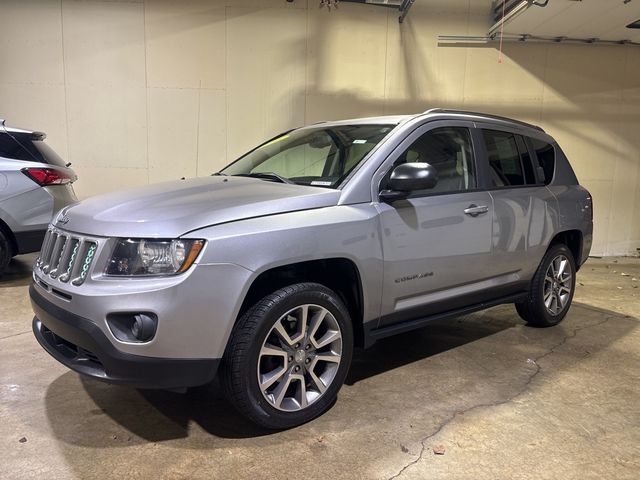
143 327
136 327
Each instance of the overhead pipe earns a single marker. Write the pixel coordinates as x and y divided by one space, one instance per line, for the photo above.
461 39
404 9
514 11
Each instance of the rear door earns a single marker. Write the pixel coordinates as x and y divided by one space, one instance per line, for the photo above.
522 216
436 243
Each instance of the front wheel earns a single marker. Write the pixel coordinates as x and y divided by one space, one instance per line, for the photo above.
288 356
551 289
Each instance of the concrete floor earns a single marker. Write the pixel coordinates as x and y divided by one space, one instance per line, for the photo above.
503 400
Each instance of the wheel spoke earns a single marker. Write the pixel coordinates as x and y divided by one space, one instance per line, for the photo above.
328 338
559 302
272 351
319 384
302 391
561 268
565 289
303 320
554 304
282 333
272 377
328 357
548 300
281 390
314 324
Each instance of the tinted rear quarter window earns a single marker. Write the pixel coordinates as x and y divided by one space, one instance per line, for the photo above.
26 146
9 148
546 158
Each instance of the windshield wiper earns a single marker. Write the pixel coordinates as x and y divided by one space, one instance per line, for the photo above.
266 176
219 174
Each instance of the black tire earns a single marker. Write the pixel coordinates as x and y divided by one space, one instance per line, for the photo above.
533 310
239 369
6 252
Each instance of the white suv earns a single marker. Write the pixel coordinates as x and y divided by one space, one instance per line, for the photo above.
34 184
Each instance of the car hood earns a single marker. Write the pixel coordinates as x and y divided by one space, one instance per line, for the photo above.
171 209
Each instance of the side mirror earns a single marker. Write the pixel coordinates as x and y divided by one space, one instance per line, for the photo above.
408 177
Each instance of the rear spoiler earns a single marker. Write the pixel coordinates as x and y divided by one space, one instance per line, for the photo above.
33 135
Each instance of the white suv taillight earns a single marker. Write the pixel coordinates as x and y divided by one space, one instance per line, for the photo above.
47 176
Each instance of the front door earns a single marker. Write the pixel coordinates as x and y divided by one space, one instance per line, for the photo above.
437 243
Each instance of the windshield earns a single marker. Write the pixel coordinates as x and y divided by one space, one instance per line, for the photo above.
318 156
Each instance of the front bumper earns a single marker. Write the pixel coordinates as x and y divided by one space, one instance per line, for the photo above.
81 345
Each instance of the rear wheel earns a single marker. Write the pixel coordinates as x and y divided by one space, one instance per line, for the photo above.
551 290
288 356
6 252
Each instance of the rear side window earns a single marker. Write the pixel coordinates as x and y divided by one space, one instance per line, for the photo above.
29 147
546 158
504 159
525 157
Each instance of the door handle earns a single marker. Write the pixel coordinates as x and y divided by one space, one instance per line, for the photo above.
474 210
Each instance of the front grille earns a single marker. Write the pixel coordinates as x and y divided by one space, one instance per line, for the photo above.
66 257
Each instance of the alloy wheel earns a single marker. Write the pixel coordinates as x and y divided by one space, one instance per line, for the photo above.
557 285
299 357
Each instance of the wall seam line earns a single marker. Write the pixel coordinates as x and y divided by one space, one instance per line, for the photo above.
386 60
306 61
64 83
146 87
226 86
198 130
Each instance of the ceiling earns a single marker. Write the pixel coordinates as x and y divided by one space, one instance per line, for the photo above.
577 19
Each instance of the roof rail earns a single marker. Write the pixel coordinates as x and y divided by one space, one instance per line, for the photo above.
484 115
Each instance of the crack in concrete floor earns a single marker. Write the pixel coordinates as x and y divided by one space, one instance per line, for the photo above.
521 391
15 335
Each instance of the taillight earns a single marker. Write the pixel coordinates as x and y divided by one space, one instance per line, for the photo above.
588 204
47 176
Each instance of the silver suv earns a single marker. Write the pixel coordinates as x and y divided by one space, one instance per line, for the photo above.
321 239
34 184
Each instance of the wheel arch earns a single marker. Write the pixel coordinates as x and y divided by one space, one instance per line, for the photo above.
573 239
338 274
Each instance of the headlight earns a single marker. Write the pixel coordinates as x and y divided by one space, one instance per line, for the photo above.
153 257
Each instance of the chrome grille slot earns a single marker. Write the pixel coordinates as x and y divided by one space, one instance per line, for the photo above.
69 259
66 257
55 242
87 253
45 248
58 255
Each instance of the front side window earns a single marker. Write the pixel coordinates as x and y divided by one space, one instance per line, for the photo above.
449 151
318 156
